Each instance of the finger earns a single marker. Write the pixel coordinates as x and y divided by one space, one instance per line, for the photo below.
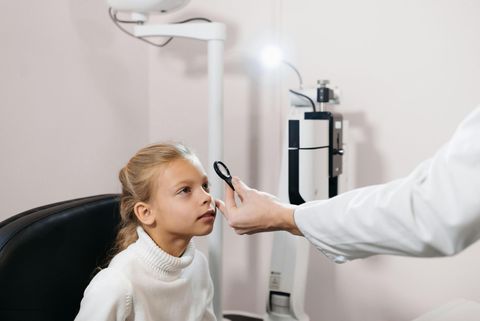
229 199
239 231
240 187
243 231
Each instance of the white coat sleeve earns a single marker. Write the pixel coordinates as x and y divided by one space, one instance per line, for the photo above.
435 211
108 297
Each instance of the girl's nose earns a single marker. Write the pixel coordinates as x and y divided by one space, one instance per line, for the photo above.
206 197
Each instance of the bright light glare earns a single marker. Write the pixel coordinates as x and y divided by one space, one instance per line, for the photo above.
271 56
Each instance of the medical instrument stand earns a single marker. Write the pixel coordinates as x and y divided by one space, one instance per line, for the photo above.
311 164
214 33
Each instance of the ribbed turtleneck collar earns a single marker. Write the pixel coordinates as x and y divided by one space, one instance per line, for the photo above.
162 263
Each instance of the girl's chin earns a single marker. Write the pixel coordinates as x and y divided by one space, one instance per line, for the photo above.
204 231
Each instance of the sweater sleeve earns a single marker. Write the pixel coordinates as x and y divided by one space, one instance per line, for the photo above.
108 297
434 211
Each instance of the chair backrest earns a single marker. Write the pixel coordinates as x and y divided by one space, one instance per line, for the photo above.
48 256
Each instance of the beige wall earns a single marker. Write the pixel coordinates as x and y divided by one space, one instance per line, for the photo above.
409 72
73 96
75 91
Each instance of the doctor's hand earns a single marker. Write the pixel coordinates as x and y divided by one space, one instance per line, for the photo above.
256 212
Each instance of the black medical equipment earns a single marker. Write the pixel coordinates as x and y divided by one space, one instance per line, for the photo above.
224 173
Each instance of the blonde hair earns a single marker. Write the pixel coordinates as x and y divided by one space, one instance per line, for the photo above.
138 184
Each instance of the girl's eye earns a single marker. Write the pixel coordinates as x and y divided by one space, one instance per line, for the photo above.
206 187
185 190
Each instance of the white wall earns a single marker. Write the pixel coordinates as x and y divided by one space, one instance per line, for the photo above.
409 72
73 97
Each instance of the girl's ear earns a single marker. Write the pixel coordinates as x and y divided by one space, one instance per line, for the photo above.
144 213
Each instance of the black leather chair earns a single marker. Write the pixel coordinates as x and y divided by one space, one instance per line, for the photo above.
48 256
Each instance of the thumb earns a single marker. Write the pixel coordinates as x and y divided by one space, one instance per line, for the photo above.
220 205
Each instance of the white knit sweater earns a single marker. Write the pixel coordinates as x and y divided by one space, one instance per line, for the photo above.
144 283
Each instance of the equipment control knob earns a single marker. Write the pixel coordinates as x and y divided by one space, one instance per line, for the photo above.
323 82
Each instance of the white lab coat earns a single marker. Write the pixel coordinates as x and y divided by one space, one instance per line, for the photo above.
434 211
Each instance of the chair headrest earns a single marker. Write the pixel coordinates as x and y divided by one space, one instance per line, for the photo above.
48 256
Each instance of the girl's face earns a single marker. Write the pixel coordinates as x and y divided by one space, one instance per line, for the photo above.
181 203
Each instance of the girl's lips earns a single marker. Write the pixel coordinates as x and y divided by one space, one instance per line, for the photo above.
208 214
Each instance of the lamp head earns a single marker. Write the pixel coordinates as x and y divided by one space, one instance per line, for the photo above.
271 56
147 6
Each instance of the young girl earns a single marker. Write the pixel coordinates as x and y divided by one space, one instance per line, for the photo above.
158 274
